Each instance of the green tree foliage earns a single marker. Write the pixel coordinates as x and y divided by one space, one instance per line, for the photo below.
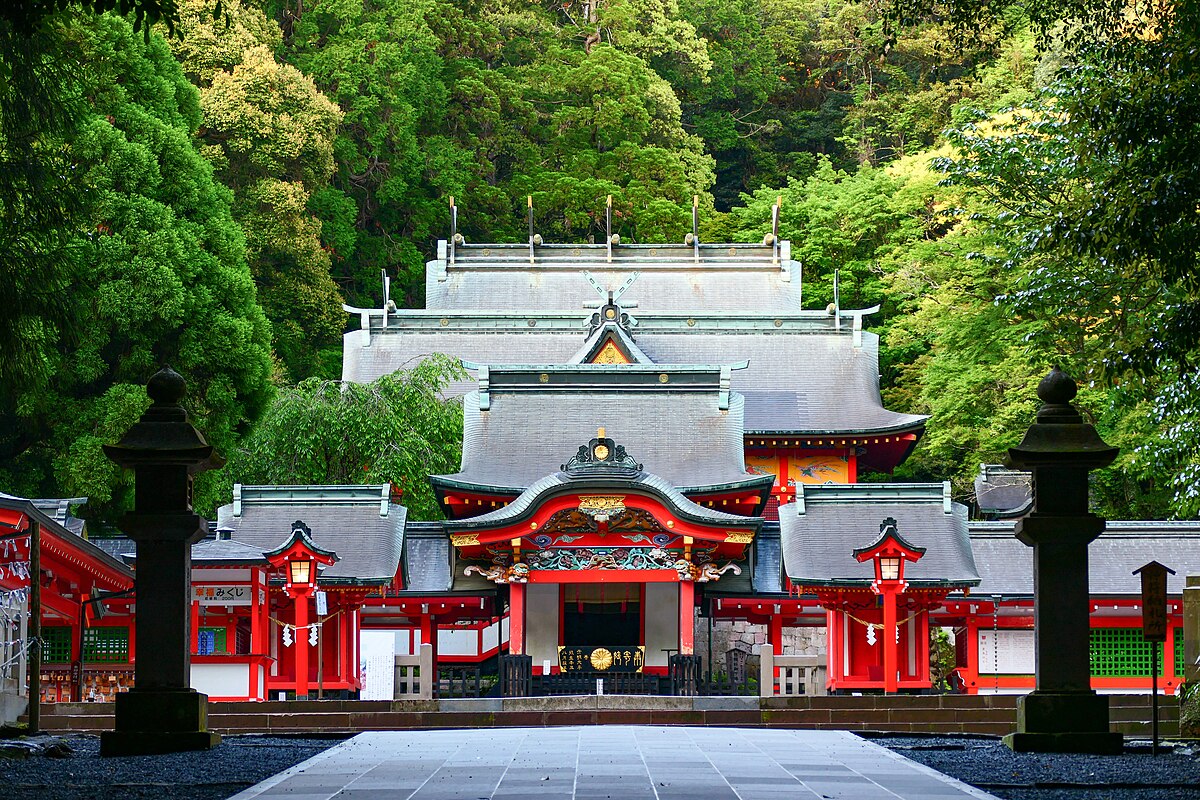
161 269
270 134
396 430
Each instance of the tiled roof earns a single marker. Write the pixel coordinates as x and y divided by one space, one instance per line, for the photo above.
1006 565
804 375
548 486
358 523
681 435
427 559
821 530
1003 492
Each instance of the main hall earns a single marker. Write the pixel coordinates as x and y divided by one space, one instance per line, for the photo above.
659 442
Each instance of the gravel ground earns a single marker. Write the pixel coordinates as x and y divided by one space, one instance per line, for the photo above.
242 761
988 764
239 762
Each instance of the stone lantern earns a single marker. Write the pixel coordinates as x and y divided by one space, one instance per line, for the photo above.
1063 714
162 713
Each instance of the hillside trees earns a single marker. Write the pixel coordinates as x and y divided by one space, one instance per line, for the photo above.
161 271
269 133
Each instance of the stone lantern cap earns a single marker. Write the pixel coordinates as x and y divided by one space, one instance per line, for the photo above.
1060 437
163 435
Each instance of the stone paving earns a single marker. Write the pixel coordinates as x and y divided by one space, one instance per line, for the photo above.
613 761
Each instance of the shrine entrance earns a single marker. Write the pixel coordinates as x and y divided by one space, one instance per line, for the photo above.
600 614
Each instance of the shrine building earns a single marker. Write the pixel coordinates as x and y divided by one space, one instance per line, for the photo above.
656 438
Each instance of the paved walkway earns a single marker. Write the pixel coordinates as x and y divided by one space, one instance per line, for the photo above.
611 761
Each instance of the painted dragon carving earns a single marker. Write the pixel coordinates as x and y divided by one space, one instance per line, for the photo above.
499 573
703 573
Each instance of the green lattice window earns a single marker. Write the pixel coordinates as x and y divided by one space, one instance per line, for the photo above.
211 640
56 644
106 645
1121 653
1178 639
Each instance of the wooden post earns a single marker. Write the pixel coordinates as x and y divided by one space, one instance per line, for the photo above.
516 619
890 683
35 626
687 614
300 642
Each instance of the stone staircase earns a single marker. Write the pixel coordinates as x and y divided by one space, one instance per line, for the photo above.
979 714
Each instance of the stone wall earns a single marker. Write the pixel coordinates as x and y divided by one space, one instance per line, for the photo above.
748 636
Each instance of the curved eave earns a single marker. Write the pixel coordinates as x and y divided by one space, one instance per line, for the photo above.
498 519
905 427
364 583
857 583
443 482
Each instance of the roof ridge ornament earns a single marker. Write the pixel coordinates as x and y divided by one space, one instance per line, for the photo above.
601 456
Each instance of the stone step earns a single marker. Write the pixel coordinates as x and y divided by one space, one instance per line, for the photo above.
980 714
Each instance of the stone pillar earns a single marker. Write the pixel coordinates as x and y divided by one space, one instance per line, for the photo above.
1062 714
1191 628
162 713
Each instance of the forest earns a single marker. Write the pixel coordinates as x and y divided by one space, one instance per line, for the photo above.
203 184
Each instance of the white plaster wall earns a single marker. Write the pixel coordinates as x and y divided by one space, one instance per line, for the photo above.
221 680
662 622
541 623
458 642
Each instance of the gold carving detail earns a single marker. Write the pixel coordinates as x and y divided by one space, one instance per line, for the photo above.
610 354
596 505
464 539
601 659
734 537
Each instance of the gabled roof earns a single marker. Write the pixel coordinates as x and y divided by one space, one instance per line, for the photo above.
515 433
358 523
95 559
1006 565
610 335
59 510
821 530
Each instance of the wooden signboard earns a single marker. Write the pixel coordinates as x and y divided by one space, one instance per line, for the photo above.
1154 600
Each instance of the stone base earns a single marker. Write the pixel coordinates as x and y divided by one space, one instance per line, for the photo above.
144 743
1104 744
151 722
1063 722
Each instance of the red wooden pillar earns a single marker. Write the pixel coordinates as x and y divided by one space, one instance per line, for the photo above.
833 648
301 645
256 640
972 675
195 626
775 633
890 683
687 616
516 618
343 660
